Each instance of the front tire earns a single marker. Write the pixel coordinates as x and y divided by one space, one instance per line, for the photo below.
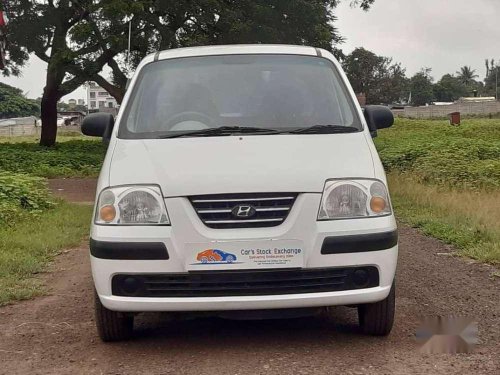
377 318
112 325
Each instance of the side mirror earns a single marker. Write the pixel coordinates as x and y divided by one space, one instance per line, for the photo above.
98 125
378 117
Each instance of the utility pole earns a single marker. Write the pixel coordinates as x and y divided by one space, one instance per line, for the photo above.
129 40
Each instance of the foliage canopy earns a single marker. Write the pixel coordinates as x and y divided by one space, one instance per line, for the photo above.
14 104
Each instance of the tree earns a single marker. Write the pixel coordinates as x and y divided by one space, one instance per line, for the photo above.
375 76
77 38
492 76
490 66
449 88
212 22
53 31
61 106
394 86
466 75
64 107
14 104
421 88
80 108
492 81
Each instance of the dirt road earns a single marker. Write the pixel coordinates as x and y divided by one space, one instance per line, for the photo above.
56 335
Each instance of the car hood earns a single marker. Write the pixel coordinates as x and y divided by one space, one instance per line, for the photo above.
246 164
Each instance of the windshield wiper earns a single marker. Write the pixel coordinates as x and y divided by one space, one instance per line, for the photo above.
222 130
325 129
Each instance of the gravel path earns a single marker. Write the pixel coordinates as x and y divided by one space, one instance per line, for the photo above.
80 190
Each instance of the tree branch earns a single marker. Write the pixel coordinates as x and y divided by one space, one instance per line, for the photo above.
42 56
117 92
117 72
71 85
89 49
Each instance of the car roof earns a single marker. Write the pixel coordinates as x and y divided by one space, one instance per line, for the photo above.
234 49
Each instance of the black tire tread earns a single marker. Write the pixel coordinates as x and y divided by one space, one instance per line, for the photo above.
112 325
377 318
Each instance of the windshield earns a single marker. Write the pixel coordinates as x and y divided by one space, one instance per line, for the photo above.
275 92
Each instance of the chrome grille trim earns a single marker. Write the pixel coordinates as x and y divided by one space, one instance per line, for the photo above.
265 209
242 221
269 209
240 200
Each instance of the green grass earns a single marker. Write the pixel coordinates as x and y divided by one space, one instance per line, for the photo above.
469 220
433 152
71 157
35 139
446 181
27 248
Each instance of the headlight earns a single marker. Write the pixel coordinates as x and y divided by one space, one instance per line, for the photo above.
131 205
346 199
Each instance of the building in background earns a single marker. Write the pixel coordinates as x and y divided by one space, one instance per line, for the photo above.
99 100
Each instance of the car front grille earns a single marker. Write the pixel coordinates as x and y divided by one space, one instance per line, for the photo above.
245 283
220 211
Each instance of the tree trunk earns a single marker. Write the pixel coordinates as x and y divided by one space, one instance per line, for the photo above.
49 117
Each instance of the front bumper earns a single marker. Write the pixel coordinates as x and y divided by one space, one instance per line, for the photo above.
319 241
131 304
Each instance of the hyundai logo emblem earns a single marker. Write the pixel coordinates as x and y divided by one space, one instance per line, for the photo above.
243 211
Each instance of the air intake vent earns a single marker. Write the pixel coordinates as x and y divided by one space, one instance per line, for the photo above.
245 283
255 210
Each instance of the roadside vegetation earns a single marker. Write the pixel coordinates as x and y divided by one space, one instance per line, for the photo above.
27 247
22 197
34 226
71 157
446 181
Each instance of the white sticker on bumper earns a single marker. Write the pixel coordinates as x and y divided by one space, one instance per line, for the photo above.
244 255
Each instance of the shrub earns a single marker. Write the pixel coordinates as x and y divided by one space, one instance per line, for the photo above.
22 196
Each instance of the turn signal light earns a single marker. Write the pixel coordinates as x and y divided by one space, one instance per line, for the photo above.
377 204
107 213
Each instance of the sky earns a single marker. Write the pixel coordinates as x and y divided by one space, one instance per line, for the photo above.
440 34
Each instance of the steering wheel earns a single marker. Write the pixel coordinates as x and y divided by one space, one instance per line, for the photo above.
186 120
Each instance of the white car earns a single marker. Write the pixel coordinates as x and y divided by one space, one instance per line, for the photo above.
237 178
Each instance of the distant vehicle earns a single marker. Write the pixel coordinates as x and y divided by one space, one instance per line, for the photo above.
215 255
397 106
441 104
